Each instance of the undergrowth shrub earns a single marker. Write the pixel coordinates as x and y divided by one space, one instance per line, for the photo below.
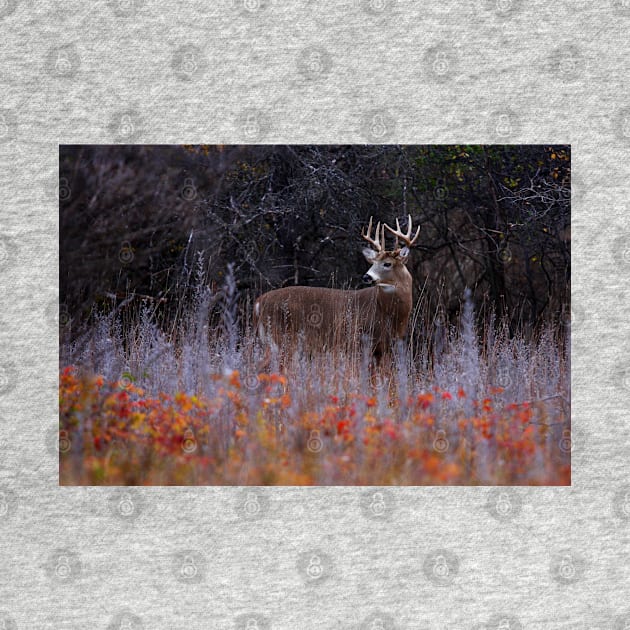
465 404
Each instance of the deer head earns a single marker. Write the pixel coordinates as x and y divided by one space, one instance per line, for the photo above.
388 269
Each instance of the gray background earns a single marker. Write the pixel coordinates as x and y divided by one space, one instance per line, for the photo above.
355 71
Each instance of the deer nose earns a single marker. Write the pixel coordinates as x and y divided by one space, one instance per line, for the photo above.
367 278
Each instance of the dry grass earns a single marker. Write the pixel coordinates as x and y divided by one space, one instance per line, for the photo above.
137 407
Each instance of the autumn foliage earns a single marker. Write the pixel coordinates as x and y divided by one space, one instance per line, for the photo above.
272 431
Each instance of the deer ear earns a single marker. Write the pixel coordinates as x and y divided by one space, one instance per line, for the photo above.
370 254
403 254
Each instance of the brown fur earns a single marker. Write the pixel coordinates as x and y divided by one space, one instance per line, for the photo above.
329 319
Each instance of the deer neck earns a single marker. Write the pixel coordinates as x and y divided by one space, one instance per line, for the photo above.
396 300
401 288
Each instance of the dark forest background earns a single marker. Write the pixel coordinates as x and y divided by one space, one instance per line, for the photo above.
140 225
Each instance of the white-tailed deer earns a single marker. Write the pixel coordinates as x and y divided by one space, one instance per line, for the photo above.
324 320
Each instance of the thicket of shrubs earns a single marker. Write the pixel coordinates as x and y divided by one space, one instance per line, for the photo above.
136 221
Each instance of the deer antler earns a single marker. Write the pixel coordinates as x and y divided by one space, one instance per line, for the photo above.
379 243
398 233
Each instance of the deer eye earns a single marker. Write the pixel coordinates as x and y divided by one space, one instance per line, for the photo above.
387 265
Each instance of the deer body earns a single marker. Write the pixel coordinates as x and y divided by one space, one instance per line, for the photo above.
324 320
